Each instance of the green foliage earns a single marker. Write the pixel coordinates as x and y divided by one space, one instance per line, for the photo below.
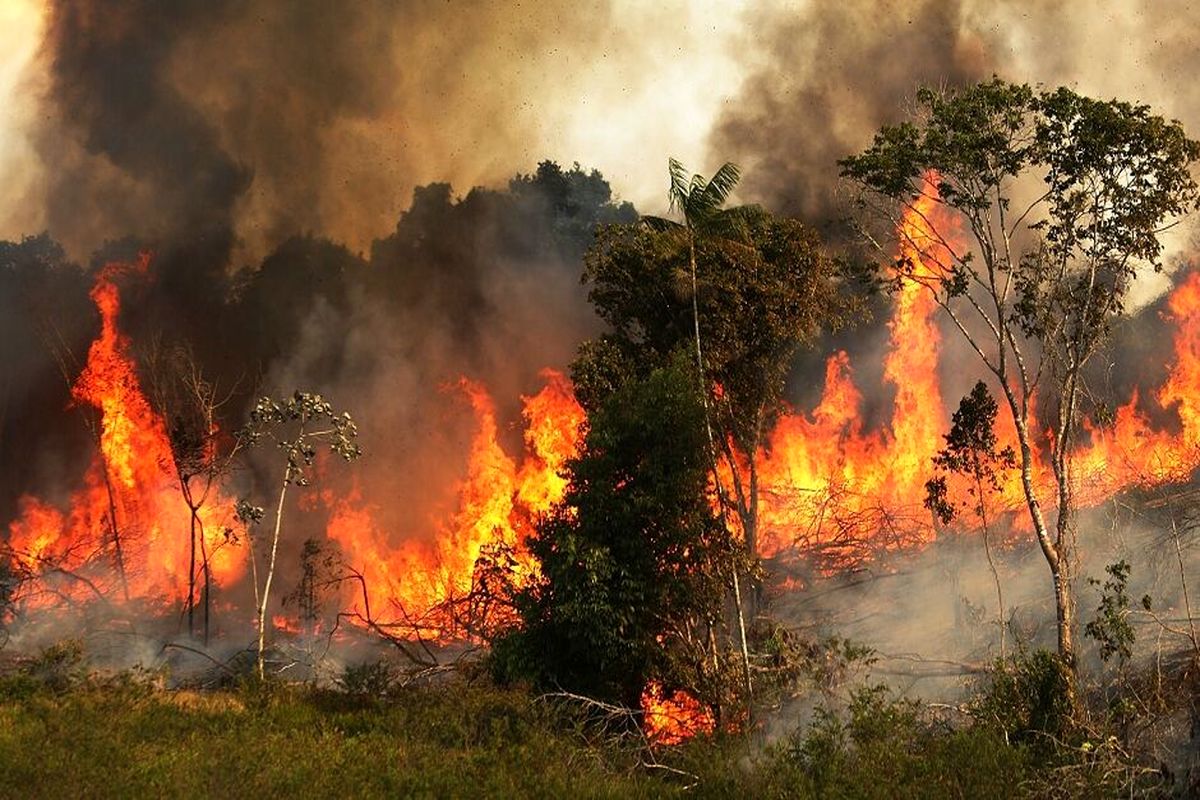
58 668
123 737
1027 697
759 298
458 742
1110 628
697 199
368 679
1032 276
574 200
880 746
971 451
1113 176
632 558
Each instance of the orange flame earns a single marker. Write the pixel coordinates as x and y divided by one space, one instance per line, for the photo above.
822 474
675 719
129 503
497 504
826 482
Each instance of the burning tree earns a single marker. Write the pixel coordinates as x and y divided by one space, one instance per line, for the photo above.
191 405
1063 198
296 424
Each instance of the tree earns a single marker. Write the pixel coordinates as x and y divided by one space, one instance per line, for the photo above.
972 450
634 562
296 424
758 285
191 405
1061 198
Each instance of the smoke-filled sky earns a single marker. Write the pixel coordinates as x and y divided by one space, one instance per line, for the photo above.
139 117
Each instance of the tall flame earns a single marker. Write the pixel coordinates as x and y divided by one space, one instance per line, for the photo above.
497 505
129 508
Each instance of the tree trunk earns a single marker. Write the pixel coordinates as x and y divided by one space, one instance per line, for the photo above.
712 451
987 549
118 553
191 597
266 593
204 565
1064 606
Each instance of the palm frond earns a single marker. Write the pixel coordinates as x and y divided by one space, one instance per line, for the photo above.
722 183
733 224
660 224
697 198
677 194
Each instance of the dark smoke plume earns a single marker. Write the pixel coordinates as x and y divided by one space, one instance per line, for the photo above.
252 122
830 76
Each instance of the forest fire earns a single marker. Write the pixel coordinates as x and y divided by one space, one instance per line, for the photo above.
836 491
498 501
670 720
828 486
128 510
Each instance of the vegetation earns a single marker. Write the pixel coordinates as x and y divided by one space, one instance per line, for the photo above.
741 289
1035 288
638 568
634 563
63 733
972 451
296 425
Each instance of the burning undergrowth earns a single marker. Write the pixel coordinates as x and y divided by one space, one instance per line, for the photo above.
406 539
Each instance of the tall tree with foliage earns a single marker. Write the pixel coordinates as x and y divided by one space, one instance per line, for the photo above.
756 288
1060 199
634 563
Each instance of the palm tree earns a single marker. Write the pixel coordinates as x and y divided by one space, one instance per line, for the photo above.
700 202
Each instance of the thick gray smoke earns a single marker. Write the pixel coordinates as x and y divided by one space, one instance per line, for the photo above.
828 77
264 120
822 79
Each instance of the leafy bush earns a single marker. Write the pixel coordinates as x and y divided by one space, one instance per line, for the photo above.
369 679
1027 698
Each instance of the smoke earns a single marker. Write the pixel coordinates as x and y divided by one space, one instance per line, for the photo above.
305 173
254 122
484 287
932 618
823 79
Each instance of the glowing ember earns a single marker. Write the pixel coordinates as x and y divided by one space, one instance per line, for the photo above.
675 719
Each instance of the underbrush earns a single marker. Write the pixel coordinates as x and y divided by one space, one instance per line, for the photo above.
68 732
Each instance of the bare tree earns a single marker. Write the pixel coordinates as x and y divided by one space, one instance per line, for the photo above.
203 456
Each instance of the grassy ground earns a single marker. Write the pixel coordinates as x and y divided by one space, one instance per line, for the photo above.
67 735
125 741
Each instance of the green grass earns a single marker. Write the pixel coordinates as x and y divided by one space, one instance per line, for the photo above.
460 742
122 738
